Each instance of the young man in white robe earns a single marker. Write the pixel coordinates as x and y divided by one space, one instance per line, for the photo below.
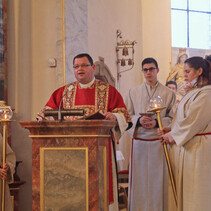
148 173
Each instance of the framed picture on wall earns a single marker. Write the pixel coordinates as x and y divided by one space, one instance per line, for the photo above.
176 74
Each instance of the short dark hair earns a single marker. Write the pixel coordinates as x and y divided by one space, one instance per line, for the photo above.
149 60
171 82
84 55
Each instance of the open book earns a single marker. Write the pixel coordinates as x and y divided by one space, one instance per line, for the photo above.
96 115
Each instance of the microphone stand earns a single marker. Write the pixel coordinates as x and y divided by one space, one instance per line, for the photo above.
59 111
63 112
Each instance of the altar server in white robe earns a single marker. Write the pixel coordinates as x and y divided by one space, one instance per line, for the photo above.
148 173
190 139
7 172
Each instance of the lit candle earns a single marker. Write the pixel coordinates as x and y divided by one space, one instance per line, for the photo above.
5 116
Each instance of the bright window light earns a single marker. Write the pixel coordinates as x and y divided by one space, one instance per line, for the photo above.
191 23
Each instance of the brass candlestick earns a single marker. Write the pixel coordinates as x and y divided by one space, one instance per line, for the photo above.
157 111
5 116
4 124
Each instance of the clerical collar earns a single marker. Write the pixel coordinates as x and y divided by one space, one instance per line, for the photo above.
84 86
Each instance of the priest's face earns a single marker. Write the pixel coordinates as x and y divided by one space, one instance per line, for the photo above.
84 71
191 73
150 72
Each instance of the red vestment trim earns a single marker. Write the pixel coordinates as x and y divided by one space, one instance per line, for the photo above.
111 194
131 170
203 134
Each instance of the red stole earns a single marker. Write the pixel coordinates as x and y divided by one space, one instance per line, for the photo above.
92 99
99 97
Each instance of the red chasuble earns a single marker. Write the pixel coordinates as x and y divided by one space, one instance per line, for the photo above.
100 97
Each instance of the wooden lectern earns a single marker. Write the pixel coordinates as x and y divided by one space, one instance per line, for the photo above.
69 164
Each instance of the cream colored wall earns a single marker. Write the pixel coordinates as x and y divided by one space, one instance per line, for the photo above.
156 34
104 18
32 40
43 36
146 21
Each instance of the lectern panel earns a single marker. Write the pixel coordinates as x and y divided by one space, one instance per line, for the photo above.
64 178
75 153
102 178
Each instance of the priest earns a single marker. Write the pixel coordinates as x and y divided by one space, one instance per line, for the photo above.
93 95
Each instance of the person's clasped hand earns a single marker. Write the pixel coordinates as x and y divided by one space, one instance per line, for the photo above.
163 131
167 139
3 171
147 122
165 136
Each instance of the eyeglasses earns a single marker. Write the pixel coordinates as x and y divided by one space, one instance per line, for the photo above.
83 66
150 69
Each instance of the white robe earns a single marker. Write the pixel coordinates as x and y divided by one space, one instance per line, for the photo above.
10 159
148 170
192 157
117 131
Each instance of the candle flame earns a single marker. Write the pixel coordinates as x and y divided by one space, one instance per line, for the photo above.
156 105
5 116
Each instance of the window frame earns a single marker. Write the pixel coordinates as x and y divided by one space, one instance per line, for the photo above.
188 10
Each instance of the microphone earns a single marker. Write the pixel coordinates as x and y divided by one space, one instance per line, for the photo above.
59 111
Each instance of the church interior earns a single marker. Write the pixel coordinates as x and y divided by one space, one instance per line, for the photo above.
43 36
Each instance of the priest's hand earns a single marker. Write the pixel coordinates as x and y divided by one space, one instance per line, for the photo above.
3 171
110 116
40 117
